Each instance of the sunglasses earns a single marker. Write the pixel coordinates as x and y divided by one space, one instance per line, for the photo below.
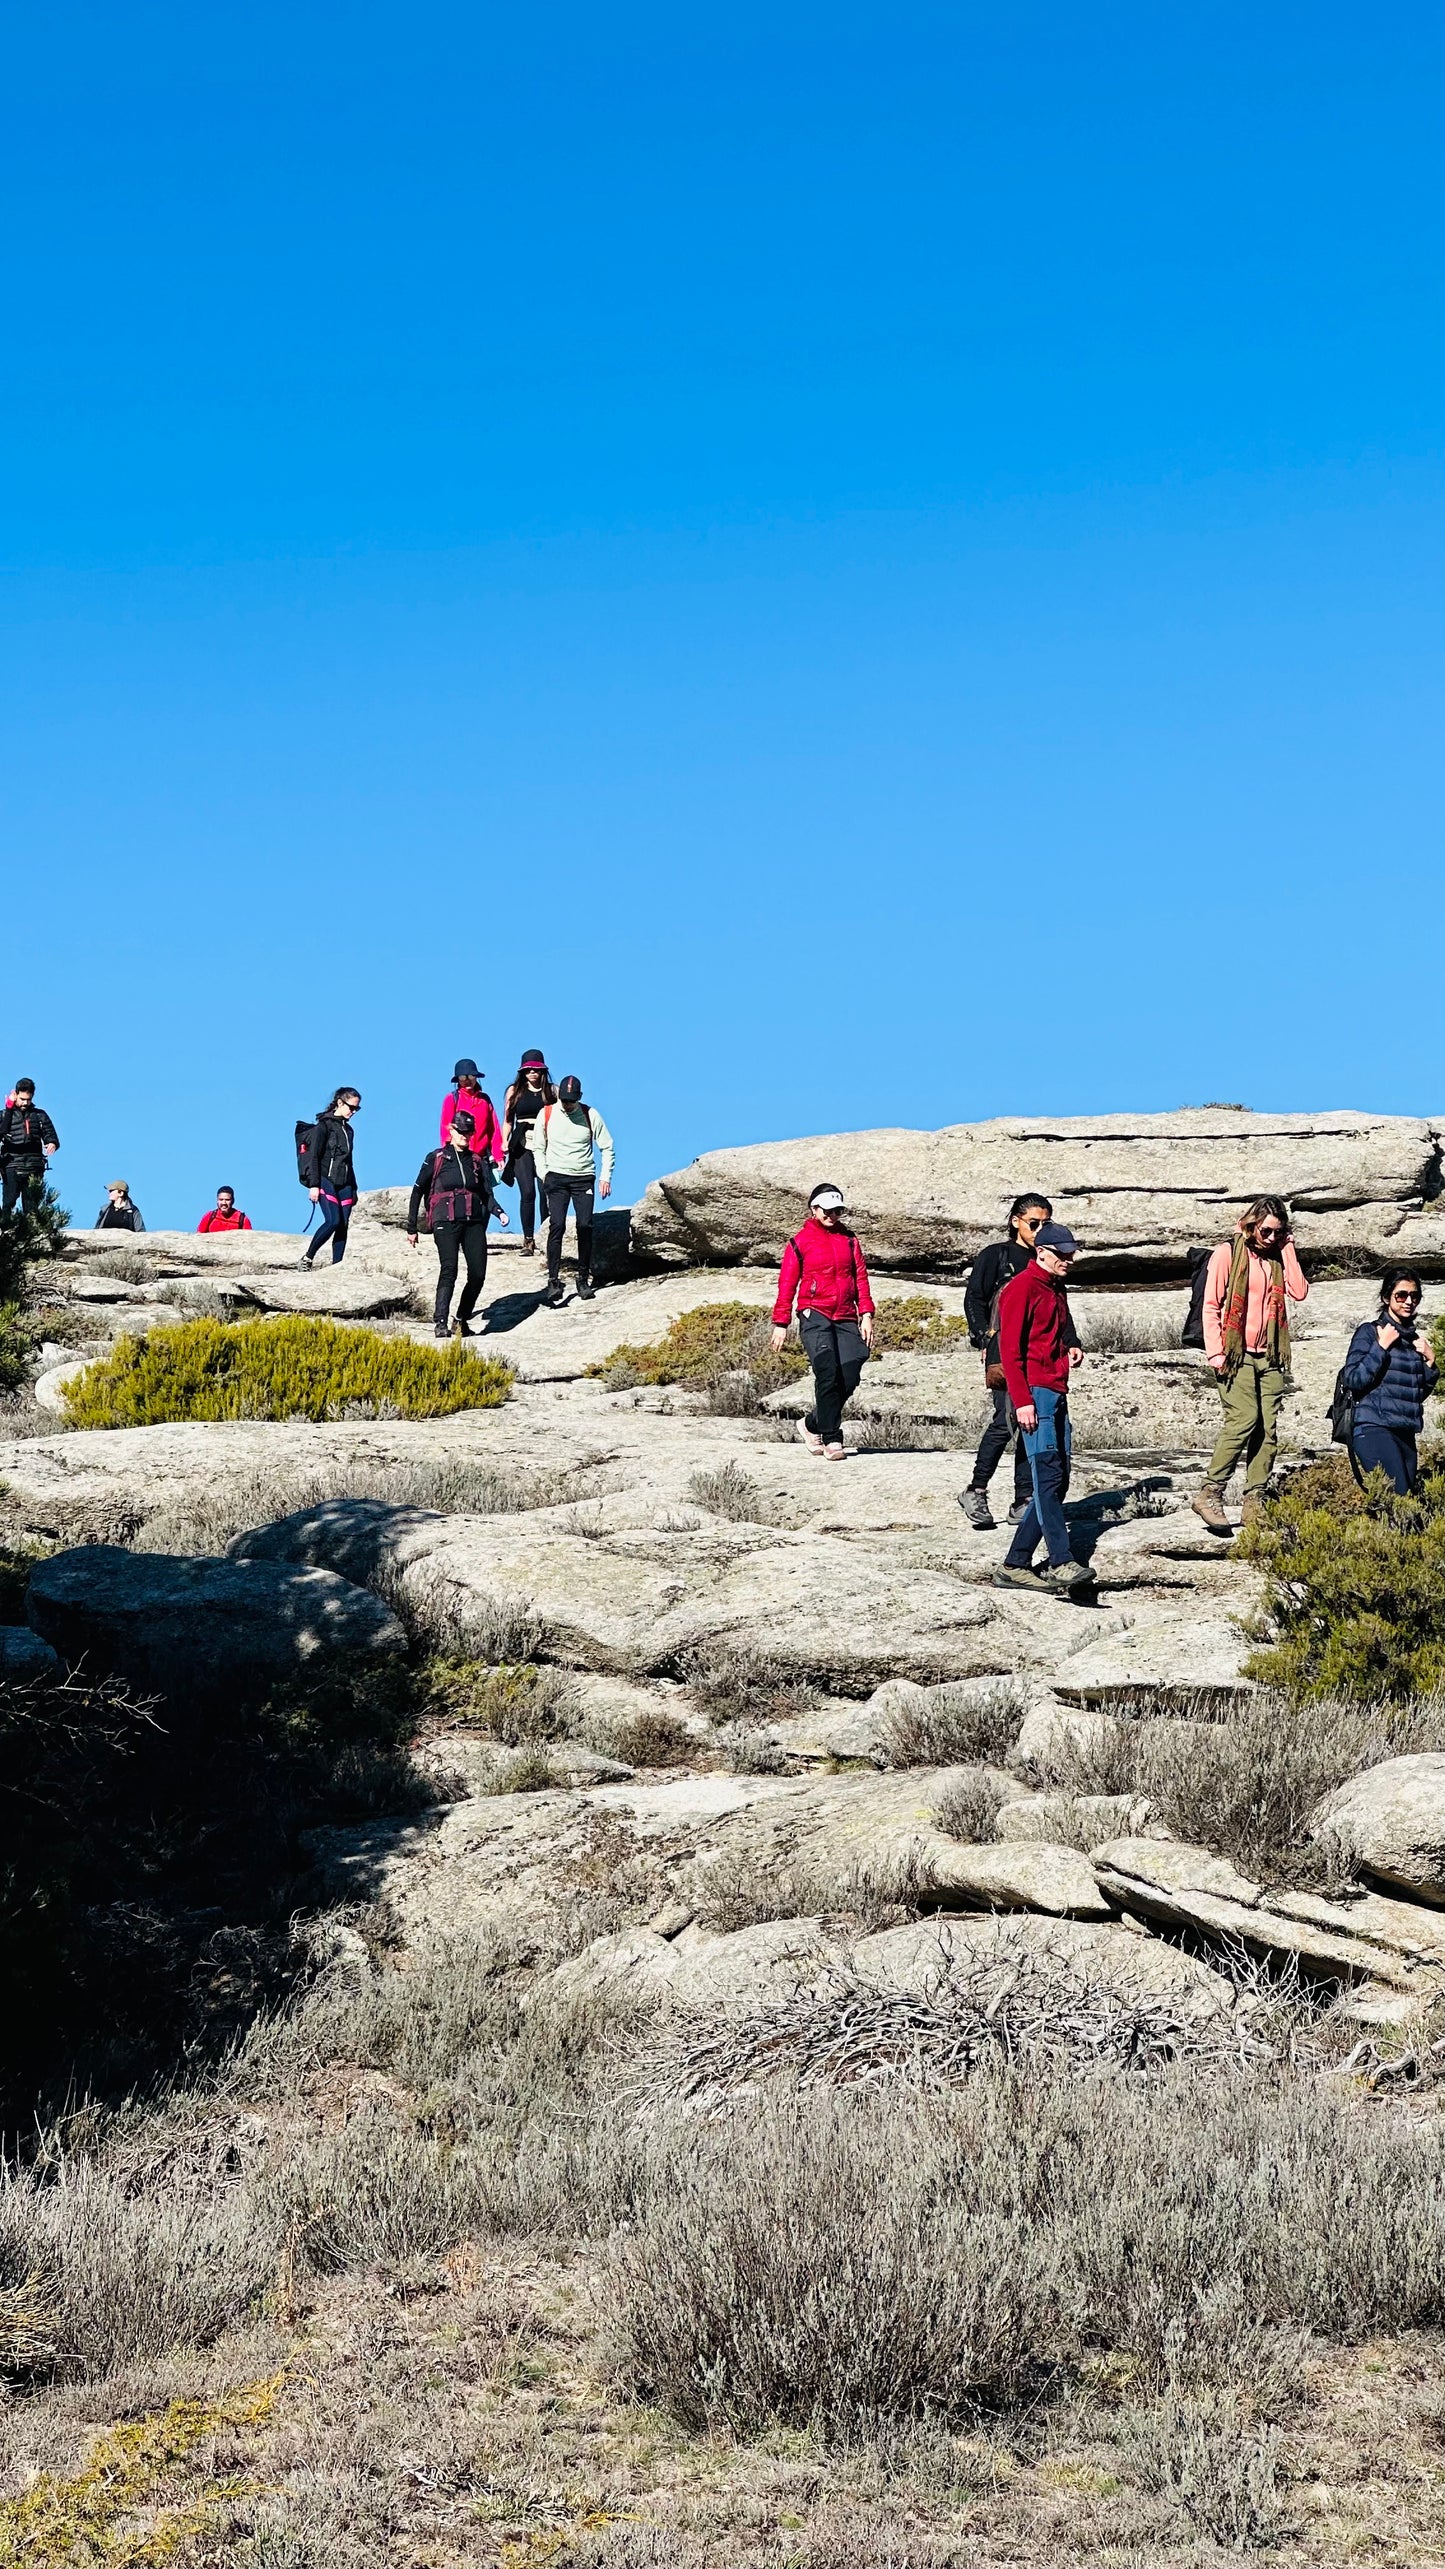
1402 1293
1269 1235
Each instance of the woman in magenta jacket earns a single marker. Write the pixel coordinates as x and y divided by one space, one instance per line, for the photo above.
467 1090
823 1272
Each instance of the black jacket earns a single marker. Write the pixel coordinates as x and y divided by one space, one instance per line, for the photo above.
987 1276
24 1132
119 1217
329 1161
462 1179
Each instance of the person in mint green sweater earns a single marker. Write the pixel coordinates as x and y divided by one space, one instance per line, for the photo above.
566 1141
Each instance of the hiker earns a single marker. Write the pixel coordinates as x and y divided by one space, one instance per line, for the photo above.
530 1091
1388 1374
329 1175
987 1277
823 1272
1251 1281
565 1137
27 1140
467 1090
223 1215
119 1211
1038 1349
456 1182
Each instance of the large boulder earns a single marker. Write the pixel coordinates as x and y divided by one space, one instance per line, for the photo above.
1139 1189
1391 1821
201 1627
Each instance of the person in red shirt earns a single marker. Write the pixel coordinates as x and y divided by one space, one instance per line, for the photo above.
1038 1348
823 1272
223 1215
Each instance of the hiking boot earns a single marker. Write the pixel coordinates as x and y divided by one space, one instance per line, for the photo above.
1019 1511
813 1442
554 1297
1208 1505
529 1248
442 1329
1253 1508
975 1506
1068 1576
585 1292
1011 1575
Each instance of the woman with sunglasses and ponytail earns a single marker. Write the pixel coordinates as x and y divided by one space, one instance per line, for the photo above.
1389 1374
1251 1282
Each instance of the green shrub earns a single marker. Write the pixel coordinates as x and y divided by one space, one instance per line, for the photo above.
916 1324
1354 1600
717 1338
518 1703
294 1367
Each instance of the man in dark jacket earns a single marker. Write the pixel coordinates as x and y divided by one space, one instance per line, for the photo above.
27 1140
990 1272
455 1182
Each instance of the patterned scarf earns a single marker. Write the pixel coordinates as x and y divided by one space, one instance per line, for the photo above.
1236 1306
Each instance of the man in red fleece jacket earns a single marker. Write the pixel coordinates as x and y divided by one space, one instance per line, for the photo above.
1038 1348
223 1215
823 1272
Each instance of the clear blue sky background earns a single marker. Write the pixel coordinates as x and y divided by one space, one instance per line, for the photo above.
831 566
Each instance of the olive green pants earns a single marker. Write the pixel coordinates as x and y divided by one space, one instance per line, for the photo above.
1251 1402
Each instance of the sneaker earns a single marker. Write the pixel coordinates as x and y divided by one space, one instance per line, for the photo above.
1011 1574
1068 1576
306 1263
814 1443
1208 1505
585 1292
1019 1511
975 1506
555 1295
442 1330
836 1453
529 1248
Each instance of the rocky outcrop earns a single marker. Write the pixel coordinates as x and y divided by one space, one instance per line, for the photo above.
1139 1189
1187 1886
196 1627
1391 1822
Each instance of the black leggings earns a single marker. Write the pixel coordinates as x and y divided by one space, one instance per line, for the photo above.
835 1350
524 1170
578 1192
335 1212
469 1239
1000 1433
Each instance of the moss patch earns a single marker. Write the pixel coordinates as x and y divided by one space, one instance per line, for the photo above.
129 2503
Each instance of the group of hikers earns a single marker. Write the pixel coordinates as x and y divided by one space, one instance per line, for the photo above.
558 1152
547 1141
1017 1309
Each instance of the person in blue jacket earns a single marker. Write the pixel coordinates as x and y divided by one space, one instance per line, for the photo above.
1388 1373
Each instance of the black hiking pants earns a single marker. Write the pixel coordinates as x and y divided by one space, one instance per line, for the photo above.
580 1193
459 1240
835 1350
1001 1432
24 1180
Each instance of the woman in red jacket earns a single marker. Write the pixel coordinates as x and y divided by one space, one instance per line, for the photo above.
823 1272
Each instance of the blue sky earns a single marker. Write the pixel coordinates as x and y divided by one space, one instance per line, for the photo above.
830 567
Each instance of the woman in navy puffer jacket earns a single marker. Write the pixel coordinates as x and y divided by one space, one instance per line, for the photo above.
1389 1375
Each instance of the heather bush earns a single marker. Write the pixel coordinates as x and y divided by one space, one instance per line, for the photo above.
916 1324
701 1346
294 1367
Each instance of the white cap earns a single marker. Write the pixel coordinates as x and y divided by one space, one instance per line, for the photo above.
826 1199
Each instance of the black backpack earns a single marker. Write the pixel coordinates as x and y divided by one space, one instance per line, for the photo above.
1341 1412
305 1143
1192 1333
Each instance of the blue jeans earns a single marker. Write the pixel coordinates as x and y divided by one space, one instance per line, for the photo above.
335 1212
1048 1448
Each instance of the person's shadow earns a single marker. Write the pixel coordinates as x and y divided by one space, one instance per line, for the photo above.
510 1310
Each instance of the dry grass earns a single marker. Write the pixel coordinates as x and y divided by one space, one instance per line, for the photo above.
648 1738
726 1490
969 1810
957 1725
1245 1781
206 1520
732 1683
894 1431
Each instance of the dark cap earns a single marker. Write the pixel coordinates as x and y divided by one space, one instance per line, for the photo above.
569 1090
466 1070
1058 1237
462 1122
